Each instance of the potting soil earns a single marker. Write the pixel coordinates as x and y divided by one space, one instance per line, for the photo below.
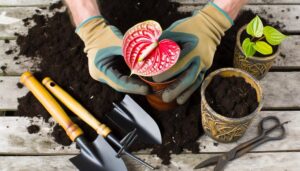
232 97
53 40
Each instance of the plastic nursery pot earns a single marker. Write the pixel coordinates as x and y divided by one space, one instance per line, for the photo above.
155 99
221 128
256 66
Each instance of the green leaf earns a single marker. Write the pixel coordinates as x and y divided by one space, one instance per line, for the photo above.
273 36
263 48
255 28
248 47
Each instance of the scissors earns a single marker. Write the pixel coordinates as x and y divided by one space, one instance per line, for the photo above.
245 147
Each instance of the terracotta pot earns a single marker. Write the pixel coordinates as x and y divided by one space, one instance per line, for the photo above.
256 66
155 99
219 127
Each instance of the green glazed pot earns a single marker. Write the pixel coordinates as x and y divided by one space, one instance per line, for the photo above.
221 128
256 66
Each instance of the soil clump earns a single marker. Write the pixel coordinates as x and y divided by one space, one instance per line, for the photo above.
33 129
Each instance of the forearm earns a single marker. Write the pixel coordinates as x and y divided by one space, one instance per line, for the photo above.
231 7
82 9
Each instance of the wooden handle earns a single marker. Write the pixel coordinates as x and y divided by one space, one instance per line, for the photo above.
76 107
51 105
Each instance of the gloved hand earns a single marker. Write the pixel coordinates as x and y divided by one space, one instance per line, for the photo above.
198 36
103 47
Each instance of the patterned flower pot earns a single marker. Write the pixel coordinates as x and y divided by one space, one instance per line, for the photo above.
155 99
221 128
256 66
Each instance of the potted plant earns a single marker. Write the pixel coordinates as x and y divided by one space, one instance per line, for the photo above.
146 56
257 47
231 98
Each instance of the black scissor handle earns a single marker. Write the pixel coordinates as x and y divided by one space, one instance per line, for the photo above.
277 126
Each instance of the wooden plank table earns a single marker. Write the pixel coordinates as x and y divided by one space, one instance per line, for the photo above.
20 150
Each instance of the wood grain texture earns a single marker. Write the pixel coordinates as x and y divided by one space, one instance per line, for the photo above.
249 162
16 140
8 31
15 63
26 2
11 93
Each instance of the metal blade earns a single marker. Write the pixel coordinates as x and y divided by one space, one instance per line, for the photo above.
221 163
97 156
129 115
208 162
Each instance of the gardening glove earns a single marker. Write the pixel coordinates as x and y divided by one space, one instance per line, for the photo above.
198 36
103 47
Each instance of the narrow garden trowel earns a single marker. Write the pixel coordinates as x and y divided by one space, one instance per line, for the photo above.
128 114
95 156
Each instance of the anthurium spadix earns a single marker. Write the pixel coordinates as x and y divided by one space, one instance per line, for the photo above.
144 54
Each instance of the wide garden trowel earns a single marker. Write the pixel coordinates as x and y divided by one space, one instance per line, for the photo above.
95 156
128 114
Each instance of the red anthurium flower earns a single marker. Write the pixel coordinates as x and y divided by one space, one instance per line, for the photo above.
144 53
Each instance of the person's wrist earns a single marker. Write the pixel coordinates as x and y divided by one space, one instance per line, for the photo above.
83 9
231 7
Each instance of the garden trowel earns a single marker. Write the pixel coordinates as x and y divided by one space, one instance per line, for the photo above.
127 114
95 156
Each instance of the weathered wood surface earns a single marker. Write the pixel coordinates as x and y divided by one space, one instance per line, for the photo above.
26 2
15 138
8 31
14 63
285 15
252 161
281 90
286 18
200 2
10 91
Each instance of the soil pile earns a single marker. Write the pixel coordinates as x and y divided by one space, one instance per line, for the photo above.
61 51
231 96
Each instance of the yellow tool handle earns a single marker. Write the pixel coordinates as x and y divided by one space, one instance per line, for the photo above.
51 105
76 107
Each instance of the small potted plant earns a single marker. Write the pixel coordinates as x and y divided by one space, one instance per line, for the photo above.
231 98
147 56
257 47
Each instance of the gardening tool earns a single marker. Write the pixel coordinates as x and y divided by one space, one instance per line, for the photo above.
95 156
128 114
245 147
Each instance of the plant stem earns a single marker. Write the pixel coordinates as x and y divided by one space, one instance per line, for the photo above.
261 38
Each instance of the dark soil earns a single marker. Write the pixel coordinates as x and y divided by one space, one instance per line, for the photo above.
231 96
8 52
62 58
33 129
20 85
6 41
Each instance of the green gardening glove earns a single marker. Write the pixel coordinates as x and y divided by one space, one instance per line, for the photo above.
103 47
199 37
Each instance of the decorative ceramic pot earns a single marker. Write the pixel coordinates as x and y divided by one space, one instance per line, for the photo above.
256 66
221 128
155 99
